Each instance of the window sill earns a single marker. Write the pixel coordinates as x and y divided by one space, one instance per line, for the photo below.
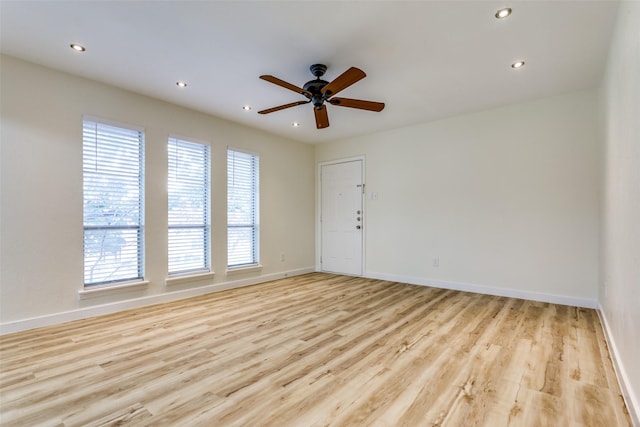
240 270
110 290
178 280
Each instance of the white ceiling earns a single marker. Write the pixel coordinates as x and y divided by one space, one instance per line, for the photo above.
425 59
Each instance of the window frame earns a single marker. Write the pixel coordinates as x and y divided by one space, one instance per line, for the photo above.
96 123
255 225
206 226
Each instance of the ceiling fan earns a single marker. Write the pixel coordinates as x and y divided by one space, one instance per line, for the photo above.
319 91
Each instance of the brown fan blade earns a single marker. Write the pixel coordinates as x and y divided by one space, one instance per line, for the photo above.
282 107
357 103
277 81
343 81
322 119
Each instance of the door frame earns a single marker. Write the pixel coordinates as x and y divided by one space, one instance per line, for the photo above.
360 158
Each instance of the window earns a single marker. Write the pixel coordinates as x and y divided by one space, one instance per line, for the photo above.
113 188
242 209
189 226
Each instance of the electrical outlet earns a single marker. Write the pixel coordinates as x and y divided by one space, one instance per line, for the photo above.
282 257
436 262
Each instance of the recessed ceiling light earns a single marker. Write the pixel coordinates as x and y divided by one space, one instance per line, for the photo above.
295 124
246 107
181 84
503 13
77 47
517 65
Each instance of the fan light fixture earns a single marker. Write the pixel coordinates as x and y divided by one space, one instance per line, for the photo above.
246 107
295 124
517 65
77 47
503 13
181 84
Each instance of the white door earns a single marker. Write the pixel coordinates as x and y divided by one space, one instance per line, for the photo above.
341 217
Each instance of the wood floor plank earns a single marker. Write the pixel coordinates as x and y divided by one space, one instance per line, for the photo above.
317 350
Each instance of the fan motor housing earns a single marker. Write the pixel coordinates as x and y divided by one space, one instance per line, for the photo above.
315 86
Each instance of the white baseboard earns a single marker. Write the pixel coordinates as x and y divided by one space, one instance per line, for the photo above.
85 312
630 398
481 289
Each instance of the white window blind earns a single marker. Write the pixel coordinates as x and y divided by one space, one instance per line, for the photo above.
113 188
242 209
189 225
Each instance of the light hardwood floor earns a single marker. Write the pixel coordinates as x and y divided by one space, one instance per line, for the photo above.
317 350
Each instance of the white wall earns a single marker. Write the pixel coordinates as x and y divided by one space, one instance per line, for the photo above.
620 248
41 189
507 199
